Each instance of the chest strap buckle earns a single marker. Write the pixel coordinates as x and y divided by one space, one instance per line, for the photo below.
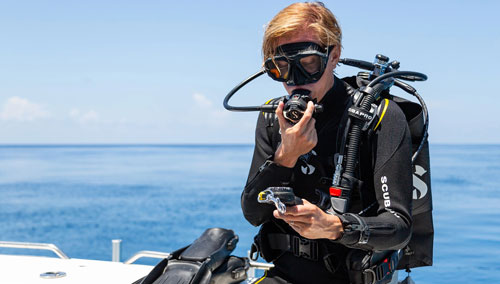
305 248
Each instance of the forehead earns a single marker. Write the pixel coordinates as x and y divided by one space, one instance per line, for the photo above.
306 35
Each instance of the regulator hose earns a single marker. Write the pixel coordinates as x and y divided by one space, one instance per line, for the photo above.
266 108
410 90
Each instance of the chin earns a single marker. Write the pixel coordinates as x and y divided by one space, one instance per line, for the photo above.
308 87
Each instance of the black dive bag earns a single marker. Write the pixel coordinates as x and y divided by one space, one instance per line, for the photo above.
419 250
206 261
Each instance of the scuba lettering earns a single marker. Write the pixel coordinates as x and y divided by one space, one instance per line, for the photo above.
370 103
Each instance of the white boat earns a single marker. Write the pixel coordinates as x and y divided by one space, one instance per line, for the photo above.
27 269
62 269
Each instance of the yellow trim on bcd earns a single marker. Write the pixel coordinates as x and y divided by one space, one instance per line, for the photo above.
383 113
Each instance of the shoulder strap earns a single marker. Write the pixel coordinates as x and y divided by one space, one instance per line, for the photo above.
270 118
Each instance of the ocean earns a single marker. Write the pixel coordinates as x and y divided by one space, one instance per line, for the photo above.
162 197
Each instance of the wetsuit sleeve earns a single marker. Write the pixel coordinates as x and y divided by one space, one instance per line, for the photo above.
263 174
390 229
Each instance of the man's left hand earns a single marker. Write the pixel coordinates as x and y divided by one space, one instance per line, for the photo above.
311 222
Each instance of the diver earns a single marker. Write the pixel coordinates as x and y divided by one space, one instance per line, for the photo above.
307 244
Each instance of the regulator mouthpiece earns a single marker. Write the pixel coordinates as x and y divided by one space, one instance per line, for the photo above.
296 105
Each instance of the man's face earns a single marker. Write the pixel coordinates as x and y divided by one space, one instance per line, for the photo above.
325 83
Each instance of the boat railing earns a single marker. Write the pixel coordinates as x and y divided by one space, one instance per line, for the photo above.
254 266
146 253
36 246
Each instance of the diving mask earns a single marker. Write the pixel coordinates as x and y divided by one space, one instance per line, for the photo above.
298 63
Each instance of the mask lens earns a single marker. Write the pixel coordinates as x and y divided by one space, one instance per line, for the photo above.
311 64
278 69
284 68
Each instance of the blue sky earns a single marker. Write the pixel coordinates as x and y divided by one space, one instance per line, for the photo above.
157 71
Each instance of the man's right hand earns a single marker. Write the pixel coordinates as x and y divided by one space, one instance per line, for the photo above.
297 139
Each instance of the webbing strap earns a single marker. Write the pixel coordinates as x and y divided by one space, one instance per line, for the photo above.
279 242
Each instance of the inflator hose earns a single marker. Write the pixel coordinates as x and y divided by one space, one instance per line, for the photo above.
356 130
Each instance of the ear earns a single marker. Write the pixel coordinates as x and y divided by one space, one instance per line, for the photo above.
335 55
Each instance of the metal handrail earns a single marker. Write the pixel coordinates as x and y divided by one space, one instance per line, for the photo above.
261 265
254 265
146 253
39 246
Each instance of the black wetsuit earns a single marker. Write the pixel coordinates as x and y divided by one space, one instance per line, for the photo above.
385 159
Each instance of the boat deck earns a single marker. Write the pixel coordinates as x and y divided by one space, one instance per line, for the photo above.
36 269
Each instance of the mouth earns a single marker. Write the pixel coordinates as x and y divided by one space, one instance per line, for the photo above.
295 88
303 91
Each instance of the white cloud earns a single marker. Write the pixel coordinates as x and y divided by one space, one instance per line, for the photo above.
205 112
86 117
19 109
202 101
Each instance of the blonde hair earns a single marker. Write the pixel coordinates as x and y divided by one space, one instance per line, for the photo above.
297 18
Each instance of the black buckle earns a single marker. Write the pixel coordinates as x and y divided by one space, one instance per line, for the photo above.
378 272
305 248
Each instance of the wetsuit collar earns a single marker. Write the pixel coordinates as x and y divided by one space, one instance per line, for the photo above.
334 100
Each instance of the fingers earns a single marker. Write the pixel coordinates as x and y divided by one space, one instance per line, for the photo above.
310 131
306 118
311 222
298 226
305 208
298 212
293 220
296 139
281 118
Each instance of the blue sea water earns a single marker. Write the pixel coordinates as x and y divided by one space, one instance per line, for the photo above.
156 197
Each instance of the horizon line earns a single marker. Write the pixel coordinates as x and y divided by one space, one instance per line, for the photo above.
185 144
